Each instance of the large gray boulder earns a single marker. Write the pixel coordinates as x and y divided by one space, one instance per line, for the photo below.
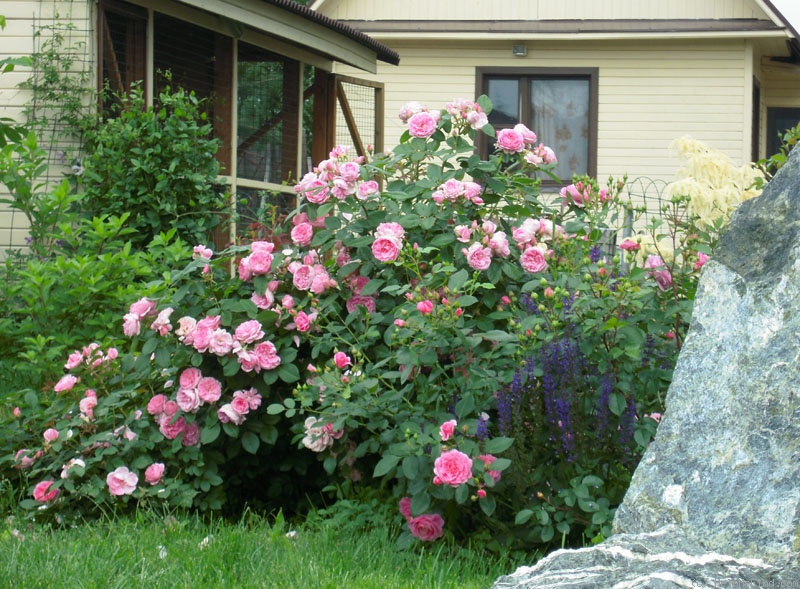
716 497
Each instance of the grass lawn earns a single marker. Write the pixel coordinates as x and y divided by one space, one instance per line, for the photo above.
156 552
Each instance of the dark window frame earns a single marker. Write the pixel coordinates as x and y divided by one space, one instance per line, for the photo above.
774 113
590 74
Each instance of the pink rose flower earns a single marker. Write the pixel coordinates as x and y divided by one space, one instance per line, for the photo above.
220 343
701 260
190 377
405 508
510 141
658 270
185 331
251 396
390 230
267 355
528 136
386 250
122 481
161 323
526 233
201 251
43 494
576 194
317 438
342 360
478 257
131 325
447 429
422 124
142 308
170 428
427 527
156 404
487 460
209 389
410 109
248 332
65 383
367 189
260 262
498 243
302 322
240 405
453 468
50 435
360 301
74 360
303 277
301 234
629 245
425 307
533 260
188 400
154 473
263 301
191 435
226 414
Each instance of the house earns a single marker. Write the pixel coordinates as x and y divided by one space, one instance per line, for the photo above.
608 84
265 64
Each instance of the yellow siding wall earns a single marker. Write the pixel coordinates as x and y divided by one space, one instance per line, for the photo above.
649 94
538 9
17 40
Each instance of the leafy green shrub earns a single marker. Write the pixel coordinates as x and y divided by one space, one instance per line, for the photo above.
475 351
157 165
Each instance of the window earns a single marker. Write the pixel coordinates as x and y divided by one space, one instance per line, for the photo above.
274 114
560 105
778 121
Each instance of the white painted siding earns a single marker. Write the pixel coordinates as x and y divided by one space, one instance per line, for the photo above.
539 9
649 93
17 40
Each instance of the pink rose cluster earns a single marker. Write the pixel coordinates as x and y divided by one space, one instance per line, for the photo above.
87 405
137 312
540 155
244 401
453 190
302 231
310 275
426 527
468 111
388 242
357 284
515 140
491 242
581 195
196 390
319 436
421 122
171 423
91 356
338 177
25 458
629 245
657 269
258 262
531 237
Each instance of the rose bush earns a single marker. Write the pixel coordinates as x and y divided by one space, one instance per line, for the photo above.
427 324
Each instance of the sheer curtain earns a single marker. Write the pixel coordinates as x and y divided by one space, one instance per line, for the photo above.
560 117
